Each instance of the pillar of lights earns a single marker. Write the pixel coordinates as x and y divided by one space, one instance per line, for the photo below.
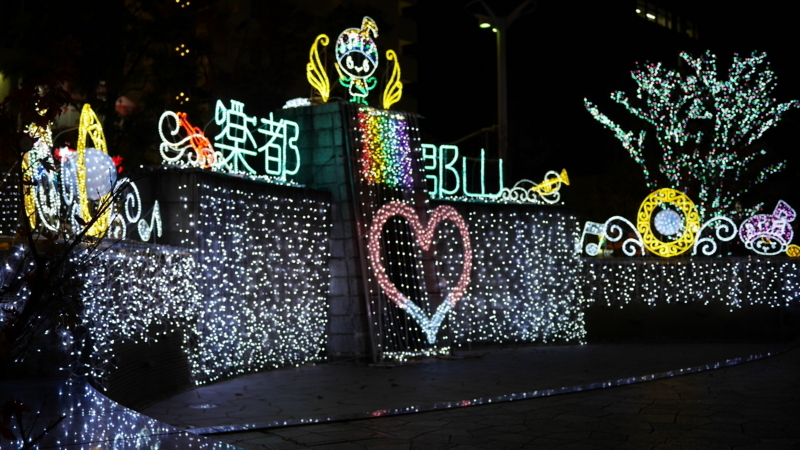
262 270
520 287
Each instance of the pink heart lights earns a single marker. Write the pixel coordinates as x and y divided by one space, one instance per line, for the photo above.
424 235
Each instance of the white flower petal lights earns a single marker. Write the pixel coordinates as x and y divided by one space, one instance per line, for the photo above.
424 235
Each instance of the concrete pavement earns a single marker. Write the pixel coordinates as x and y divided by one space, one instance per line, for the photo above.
335 392
754 405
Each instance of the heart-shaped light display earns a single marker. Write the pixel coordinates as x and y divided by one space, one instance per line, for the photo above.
424 235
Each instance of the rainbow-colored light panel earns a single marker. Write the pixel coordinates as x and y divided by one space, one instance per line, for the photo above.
385 149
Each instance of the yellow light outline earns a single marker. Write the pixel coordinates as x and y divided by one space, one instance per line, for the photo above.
552 184
691 220
30 206
91 126
315 72
793 251
394 89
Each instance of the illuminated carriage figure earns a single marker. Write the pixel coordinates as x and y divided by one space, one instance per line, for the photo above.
357 60
89 183
88 176
679 224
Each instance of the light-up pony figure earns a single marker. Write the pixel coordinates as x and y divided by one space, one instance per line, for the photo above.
357 60
769 234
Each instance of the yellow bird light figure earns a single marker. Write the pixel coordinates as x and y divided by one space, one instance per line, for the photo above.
315 72
394 89
357 59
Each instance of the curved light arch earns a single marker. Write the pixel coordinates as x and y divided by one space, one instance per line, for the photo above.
89 125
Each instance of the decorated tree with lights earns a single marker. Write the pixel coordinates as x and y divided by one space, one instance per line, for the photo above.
705 129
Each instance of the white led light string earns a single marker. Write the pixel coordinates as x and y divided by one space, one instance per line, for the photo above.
521 286
733 281
262 269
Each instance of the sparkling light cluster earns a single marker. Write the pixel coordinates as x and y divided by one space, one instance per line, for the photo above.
386 152
262 270
734 281
9 204
523 286
135 292
130 292
92 421
739 109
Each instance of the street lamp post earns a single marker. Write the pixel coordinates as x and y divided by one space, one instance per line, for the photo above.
499 25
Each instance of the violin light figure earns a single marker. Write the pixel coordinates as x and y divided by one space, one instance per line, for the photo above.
357 59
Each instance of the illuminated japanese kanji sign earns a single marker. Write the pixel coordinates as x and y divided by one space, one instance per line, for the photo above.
242 138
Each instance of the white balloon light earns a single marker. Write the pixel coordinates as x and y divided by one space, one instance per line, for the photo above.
101 173
668 222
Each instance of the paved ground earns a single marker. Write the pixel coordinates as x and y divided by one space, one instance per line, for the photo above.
348 391
754 405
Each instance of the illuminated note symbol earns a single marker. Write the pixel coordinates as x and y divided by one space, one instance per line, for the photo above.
594 228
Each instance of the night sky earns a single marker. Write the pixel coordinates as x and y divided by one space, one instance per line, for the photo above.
563 52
